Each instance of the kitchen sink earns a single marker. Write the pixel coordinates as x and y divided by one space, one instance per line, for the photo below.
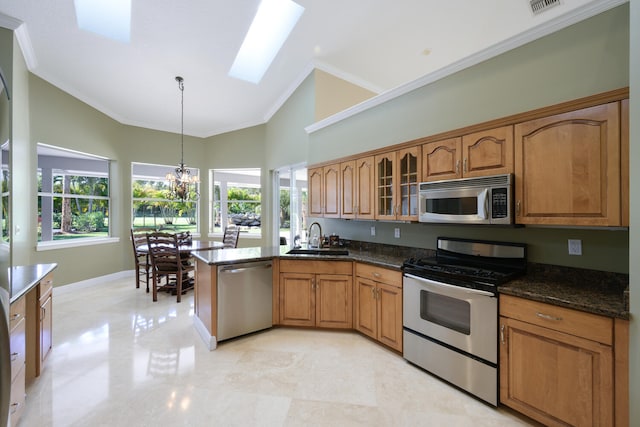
318 251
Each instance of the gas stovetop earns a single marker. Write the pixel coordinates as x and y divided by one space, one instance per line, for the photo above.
471 263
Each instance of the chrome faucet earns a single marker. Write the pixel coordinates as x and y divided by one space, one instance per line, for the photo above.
315 242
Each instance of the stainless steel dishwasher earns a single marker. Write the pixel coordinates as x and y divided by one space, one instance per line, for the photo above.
244 298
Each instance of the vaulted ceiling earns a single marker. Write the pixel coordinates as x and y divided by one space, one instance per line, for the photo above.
380 45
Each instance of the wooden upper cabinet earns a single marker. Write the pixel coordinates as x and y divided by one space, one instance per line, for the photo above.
348 193
356 198
407 181
489 152
331 191
441 160
364 188
567 168
397 175
316 177
385 166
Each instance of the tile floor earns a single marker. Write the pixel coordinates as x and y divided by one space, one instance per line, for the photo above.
121 360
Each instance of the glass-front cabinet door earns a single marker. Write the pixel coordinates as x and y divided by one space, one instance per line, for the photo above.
384 178
408 180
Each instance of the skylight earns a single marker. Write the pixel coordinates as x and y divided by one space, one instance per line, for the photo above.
269 30
109 18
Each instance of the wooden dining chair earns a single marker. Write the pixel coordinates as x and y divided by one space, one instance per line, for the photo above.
141 258
230 238
166 261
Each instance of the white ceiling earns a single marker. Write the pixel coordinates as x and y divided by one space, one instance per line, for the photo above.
377 44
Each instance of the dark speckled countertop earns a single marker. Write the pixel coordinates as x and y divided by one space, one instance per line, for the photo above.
598 292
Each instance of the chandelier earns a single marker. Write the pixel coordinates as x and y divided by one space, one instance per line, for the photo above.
182 185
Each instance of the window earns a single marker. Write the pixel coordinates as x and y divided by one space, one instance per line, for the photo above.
290 184
73 195
151 206
236 200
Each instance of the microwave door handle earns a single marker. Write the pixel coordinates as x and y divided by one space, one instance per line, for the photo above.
482 204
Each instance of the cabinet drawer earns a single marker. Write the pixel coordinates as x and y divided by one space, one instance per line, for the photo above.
316 267
17 344
17 312
46 286
16 406
379 274
574 322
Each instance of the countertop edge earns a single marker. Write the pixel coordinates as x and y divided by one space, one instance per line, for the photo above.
26 277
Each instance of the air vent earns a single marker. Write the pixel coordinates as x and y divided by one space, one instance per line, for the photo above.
539 6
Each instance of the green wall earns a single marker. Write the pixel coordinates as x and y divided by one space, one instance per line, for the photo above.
581 60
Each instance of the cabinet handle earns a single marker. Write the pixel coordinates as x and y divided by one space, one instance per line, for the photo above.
465 165
548 317
502 334
15 316
43 313
518 208
458 167
373 293
14 407
14 356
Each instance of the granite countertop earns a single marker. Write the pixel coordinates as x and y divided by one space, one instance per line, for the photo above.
592 291
25 277
391 257
598 292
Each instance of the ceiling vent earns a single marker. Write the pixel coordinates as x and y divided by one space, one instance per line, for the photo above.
539 6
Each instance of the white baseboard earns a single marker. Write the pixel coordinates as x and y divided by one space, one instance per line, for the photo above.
61 290
209 340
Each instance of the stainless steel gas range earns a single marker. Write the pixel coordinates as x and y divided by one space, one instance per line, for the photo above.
450 311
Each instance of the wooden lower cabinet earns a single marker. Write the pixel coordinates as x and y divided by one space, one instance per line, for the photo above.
17 338
313 299
378 312
556 364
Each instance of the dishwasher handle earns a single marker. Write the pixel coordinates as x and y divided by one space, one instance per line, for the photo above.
235 270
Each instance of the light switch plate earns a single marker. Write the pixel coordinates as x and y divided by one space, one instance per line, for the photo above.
396 233
373 230
575 247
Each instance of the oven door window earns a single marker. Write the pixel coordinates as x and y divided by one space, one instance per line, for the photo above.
451 313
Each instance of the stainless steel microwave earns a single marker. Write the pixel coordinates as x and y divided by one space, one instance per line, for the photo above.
483 200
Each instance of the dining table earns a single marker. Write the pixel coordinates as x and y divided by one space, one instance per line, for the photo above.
186 248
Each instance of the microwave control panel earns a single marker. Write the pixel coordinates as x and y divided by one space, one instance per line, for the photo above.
499 206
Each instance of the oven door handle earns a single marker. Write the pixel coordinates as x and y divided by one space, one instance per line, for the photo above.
452 287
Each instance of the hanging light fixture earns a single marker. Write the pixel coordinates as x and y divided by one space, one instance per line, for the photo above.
182 185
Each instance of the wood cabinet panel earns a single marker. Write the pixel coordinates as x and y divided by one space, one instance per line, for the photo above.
348 194
385 171
553 377
333 300
46 330
407 179
315 182
364 197
18 399
378 306
17 344
316 293
621 372
488 152
331 191
297 299
578 323
366 307
385 275
441 160
390 316
577 154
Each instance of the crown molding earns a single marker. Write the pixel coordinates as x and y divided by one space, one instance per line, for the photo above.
580 14
21 33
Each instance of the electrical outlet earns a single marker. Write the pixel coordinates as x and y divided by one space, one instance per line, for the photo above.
575 247
373 230
396 233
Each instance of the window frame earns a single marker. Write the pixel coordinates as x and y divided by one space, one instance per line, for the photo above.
59 161
252 178
152 172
